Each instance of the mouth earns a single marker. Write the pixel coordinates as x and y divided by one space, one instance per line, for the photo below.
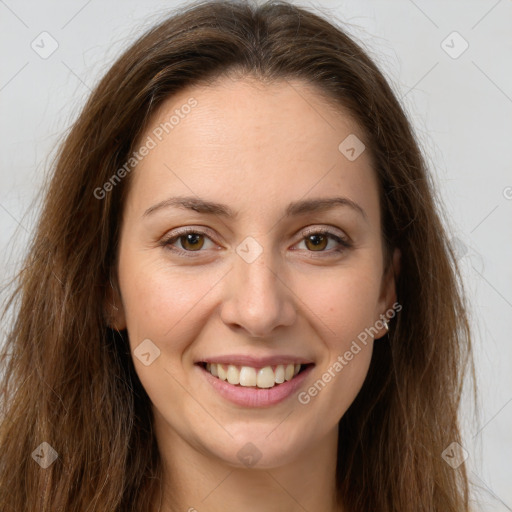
266 377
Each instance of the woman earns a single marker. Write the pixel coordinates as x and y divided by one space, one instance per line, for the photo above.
170 349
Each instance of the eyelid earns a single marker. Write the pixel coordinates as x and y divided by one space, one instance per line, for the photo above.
329 230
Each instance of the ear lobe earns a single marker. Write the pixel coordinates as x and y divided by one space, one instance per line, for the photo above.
390 281
113 308
388 295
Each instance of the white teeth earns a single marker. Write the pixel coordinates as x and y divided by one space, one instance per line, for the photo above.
233 375
288 372
279 374
265 378
221 372
247 376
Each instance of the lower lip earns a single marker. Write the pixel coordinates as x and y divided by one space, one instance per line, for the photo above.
256 397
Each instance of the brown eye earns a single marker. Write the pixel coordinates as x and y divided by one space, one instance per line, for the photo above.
316 242
186 242
191 241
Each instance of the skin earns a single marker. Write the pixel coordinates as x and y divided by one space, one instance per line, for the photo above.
255 148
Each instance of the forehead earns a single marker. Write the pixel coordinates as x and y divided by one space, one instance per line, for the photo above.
253 145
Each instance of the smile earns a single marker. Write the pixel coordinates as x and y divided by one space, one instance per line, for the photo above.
248 376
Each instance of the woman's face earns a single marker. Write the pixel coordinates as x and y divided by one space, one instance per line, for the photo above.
255 286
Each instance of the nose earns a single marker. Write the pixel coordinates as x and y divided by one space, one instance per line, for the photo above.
257 297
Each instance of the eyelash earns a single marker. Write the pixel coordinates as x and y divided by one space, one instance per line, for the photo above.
168 241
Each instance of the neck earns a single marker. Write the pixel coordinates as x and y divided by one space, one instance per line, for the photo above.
195 481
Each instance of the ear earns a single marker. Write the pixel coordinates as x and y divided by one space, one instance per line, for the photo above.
113 307
388 290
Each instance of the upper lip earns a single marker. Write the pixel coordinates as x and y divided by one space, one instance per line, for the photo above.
255 362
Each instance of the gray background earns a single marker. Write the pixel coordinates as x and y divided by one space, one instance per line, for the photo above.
461 106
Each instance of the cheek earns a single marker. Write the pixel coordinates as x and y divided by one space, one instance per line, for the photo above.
341 381
342 304
163 304
159 300
342 307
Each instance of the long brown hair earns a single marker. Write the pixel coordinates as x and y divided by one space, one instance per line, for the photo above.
68 379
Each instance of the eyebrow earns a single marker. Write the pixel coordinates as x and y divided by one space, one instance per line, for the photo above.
295 208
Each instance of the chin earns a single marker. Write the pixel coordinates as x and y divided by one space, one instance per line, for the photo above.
260 448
